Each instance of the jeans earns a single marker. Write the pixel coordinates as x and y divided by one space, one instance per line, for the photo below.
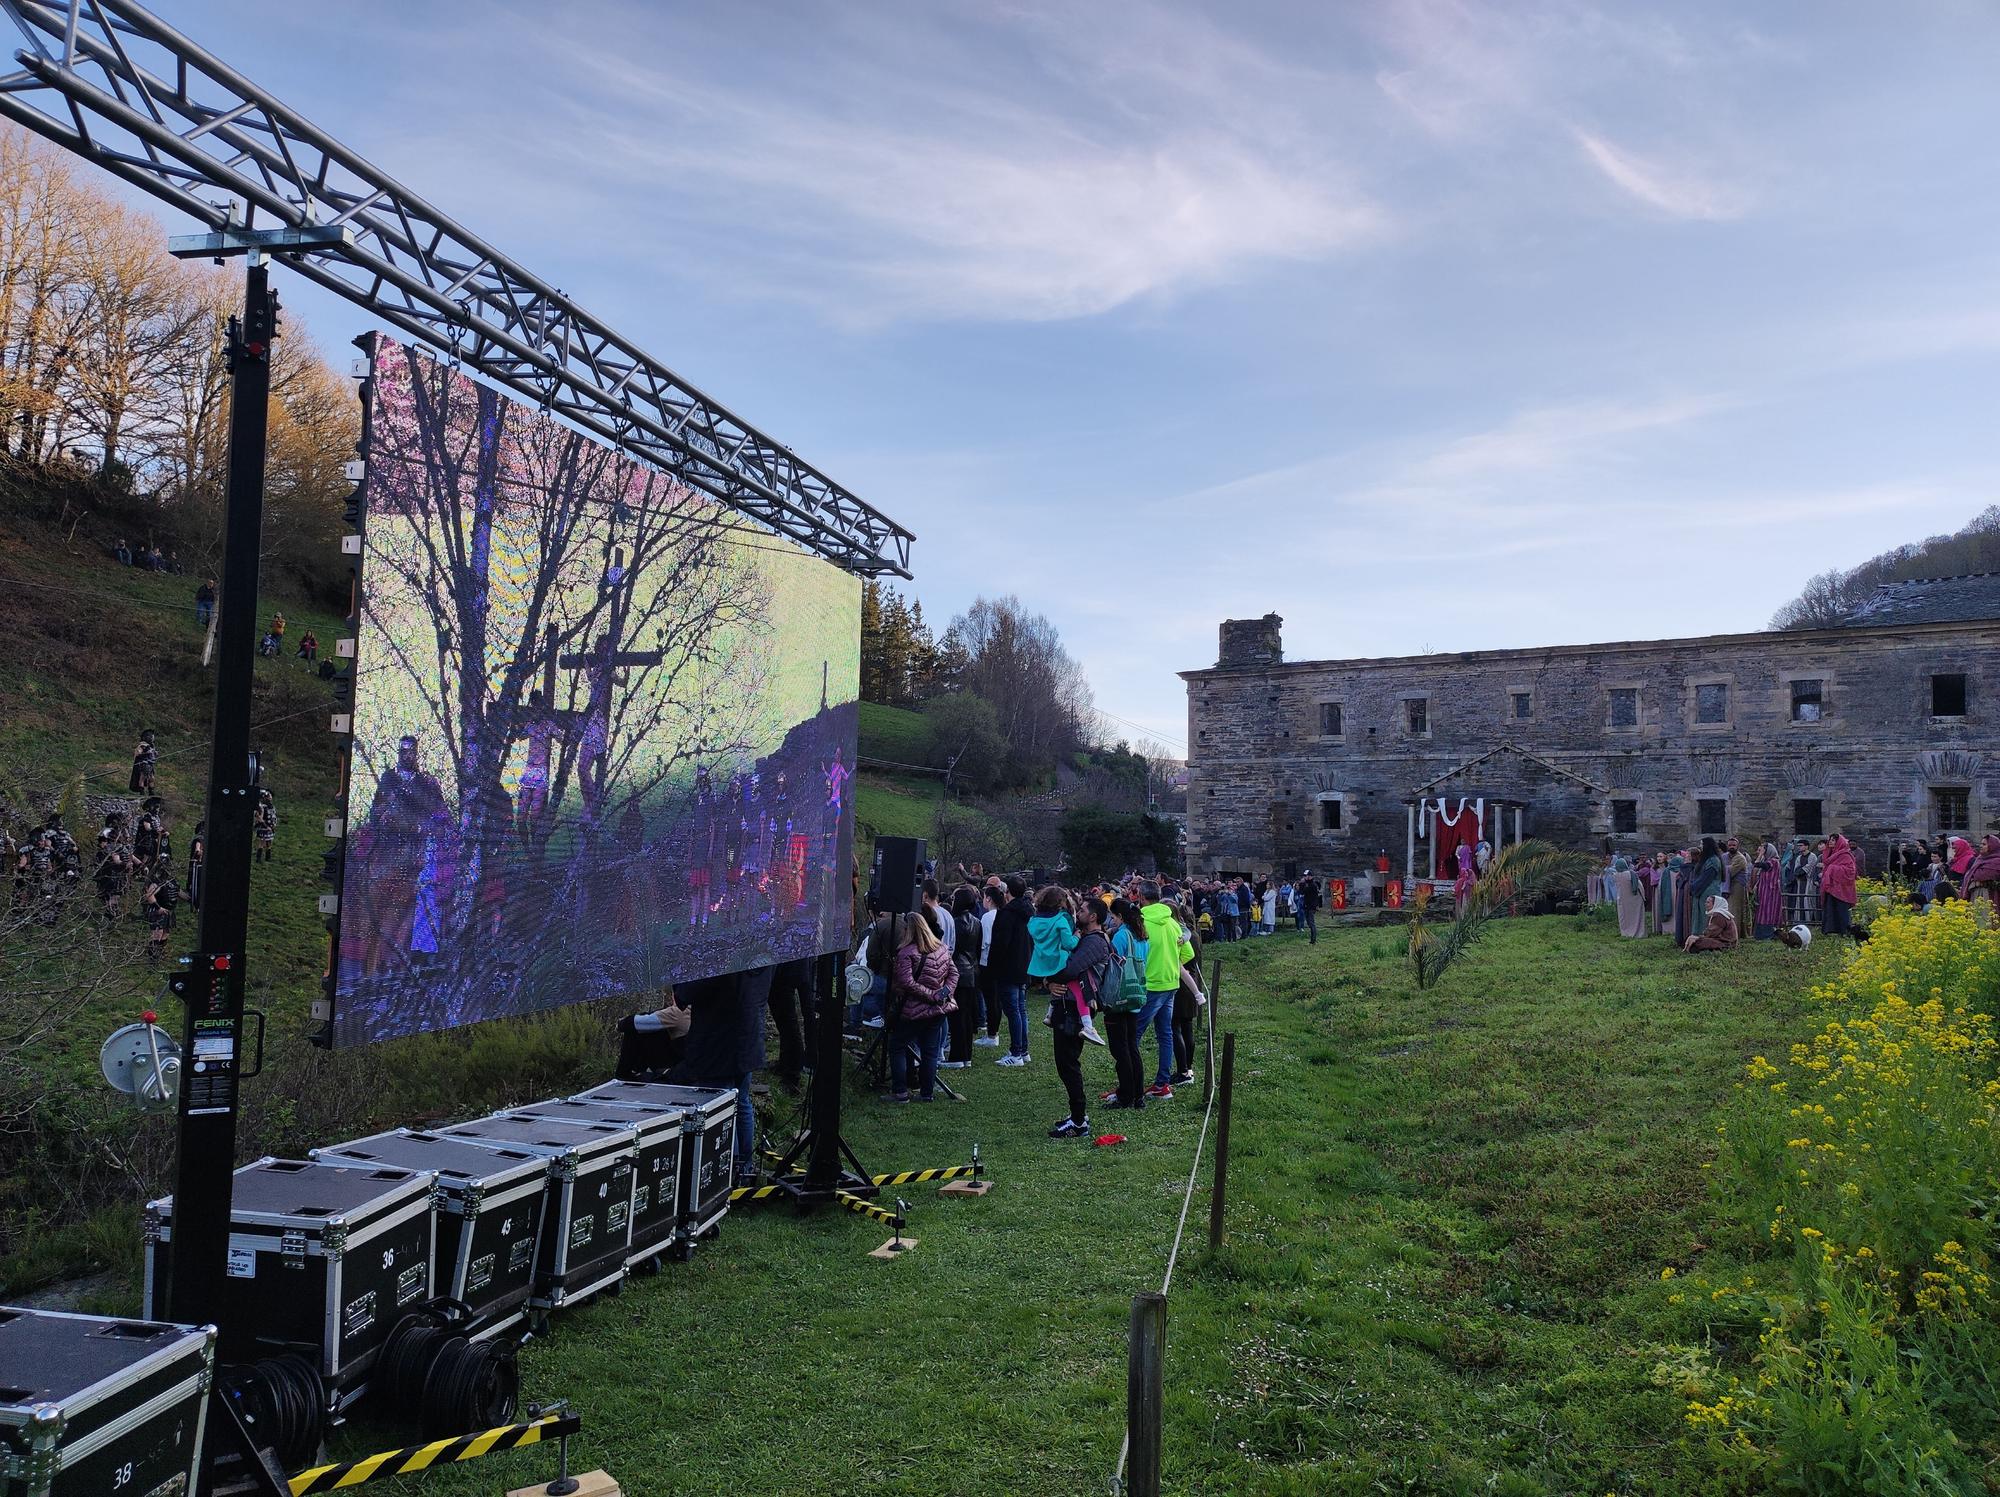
1159 1014
1069 1066
1015 999
202 613
928 1037
1311 921
1122 1033
872 1003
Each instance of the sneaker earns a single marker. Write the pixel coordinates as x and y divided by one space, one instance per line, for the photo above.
1110 1096
953 1065
875 1023
1008 1060
1070 1128
1159 1091
987 1041
1090 1033
1185 1078
897 1099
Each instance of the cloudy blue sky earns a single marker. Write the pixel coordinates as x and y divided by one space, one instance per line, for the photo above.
1427 325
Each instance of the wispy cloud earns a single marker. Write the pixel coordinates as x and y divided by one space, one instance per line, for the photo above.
881 192
1675 191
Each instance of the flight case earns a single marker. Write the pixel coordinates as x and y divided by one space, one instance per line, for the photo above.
656 1218
90 1407
708 1141
586 1228
489 1212
324 1259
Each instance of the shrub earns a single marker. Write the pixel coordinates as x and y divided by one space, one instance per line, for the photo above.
1868 1166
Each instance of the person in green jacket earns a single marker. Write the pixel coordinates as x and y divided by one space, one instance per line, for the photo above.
1167 950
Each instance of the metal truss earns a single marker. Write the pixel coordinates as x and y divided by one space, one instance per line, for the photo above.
113 83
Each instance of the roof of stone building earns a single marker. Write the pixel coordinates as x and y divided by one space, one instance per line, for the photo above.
1932 600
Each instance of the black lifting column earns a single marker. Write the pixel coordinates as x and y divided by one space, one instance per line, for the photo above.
214 989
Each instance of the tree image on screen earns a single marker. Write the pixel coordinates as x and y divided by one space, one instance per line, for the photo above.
603 726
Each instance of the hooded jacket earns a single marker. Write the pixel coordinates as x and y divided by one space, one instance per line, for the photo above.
1167 948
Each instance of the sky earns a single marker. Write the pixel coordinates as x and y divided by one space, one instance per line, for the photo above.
1428 325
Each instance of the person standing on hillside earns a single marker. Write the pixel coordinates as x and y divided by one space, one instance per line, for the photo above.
1168 949
144 757
991 900
1073 994
1012 949
204 602
1737 865
1308 894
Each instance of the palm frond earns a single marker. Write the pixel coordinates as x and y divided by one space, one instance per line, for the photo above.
1517 875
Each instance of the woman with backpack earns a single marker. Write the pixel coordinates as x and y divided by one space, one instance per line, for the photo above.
1121 996
920 996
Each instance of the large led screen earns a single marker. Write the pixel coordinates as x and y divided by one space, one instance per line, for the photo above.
604 727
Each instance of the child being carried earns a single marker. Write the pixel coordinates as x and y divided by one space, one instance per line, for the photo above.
1054 936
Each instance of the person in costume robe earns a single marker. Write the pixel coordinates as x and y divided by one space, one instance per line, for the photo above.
1982 874
1837 878
1672 869
1704 883
1649 878
1736 882
1462 885
1770 889
1629 893
1720 932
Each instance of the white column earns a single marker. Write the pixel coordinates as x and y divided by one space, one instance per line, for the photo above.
1410 848
1517 826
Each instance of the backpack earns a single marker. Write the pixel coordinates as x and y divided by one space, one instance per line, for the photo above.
1123 990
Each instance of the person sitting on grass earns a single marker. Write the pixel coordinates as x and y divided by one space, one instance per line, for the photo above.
921 999
1720 932
1073 994
1053 934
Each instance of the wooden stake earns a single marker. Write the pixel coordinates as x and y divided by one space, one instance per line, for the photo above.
1222 1144
1145 1370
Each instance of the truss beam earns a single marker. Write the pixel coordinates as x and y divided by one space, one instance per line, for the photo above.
111 82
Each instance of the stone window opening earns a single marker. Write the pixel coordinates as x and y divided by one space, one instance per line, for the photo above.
1330 720
1417 716
1711 703
1625 816
1624 706
1808 818
1712 817
1951 808
1808 701
1948 694
1332 813
1523 705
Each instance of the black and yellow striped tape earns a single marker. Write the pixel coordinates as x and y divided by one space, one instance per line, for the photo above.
869 1209
921 1177
413 1458
754 1192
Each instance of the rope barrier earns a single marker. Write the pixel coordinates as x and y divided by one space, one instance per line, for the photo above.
413 1458
1173 1261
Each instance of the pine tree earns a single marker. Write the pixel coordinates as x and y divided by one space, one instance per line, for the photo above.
871 642
895 650
923 656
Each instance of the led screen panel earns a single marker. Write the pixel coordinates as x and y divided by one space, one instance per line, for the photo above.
603 727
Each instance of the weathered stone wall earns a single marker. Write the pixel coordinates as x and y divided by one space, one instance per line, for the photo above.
1260 766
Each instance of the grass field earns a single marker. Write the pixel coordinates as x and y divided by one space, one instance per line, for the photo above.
1449 1213
894 733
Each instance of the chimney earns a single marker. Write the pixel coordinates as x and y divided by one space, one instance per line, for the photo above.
1248 643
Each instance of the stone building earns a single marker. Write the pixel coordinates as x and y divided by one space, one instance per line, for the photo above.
1884 728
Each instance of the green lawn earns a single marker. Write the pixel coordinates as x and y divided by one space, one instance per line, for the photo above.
1449 1215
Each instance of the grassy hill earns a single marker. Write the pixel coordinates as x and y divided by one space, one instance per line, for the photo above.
94 652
